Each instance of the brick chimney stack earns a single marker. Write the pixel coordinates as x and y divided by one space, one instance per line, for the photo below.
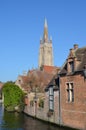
75 46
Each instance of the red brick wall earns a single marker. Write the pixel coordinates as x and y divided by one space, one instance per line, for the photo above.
42 113
74 114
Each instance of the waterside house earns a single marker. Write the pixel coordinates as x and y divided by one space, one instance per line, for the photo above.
65 95
73 89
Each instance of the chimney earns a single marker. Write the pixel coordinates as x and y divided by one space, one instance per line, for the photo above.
75 46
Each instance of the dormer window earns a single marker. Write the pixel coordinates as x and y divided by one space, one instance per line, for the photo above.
71 64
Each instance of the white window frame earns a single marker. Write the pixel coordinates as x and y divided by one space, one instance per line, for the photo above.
70 91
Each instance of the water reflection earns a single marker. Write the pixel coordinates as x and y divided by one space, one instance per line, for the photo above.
10 121
16 121
33 124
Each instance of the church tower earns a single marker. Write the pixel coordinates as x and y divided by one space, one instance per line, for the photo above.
46 50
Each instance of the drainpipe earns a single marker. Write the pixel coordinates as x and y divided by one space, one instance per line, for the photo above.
35 103
59 102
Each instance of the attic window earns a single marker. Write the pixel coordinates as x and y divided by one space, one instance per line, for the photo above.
71 66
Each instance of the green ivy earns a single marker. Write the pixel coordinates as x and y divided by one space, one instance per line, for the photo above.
13 95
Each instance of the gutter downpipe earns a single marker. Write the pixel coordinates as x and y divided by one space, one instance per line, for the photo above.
59 102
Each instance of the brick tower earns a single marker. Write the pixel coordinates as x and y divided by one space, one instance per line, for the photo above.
46 50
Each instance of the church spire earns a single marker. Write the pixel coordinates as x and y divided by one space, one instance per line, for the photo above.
45 23
46 49
45 37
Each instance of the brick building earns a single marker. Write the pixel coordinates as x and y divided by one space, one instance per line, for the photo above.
73 89
65 95
65 88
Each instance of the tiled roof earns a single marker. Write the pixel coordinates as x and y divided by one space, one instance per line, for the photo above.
24 78
50 69
80 55
35 78
54 82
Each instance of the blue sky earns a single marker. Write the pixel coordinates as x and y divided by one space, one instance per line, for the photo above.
22 24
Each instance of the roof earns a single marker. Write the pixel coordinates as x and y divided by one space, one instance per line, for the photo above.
34 78
54 82
80 55
50 69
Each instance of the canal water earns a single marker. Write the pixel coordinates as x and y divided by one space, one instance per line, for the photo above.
16 121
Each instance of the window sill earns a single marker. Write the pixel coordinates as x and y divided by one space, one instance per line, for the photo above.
70 102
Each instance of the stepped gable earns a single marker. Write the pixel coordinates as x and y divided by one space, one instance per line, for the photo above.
22 82
21 79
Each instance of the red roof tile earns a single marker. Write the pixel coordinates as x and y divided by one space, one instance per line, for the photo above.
50 69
